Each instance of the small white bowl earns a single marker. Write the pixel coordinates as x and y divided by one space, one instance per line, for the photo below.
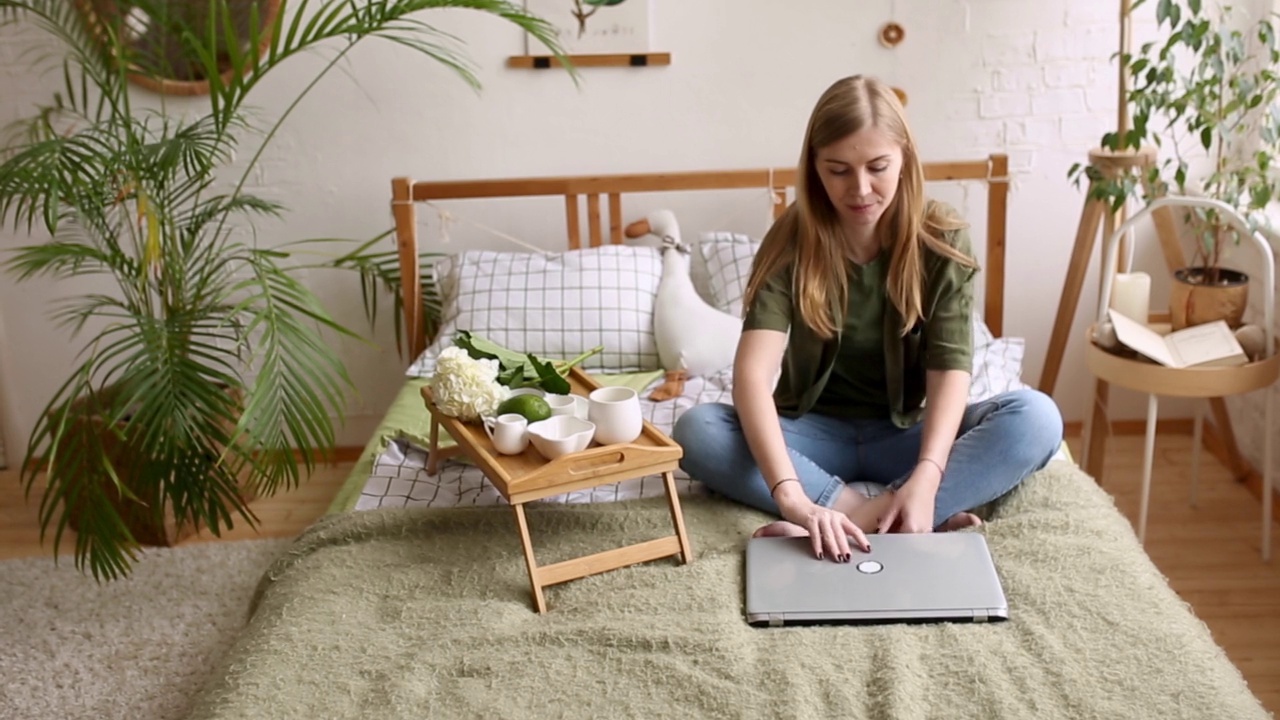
560 435
575 405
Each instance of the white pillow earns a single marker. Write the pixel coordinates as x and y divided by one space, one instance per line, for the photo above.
727 257
553 305
997 367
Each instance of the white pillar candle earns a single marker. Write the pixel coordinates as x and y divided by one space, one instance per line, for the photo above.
1131 295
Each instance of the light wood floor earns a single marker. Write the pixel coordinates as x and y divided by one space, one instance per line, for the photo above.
1210 553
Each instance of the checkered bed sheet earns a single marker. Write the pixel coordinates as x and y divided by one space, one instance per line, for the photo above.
400 479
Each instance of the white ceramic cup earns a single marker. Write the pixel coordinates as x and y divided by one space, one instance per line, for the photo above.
616 414
572 405
507 432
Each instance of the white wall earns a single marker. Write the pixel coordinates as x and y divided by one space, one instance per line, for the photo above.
1030 78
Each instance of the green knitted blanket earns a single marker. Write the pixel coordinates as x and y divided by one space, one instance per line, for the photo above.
426 614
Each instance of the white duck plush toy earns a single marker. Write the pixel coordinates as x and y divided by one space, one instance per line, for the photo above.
694 338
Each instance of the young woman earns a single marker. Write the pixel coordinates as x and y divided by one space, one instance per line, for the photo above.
851 379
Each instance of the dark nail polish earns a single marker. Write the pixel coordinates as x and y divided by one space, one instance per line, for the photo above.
819 556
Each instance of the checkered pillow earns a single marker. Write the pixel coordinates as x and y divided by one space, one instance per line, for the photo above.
554 305
997 366
727 258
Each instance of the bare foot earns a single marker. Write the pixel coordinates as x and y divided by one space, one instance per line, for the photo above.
865 512
960 521
781 528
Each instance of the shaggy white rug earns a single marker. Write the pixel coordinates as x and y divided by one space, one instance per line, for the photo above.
135 649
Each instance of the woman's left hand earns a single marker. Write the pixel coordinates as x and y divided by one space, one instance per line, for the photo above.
911 509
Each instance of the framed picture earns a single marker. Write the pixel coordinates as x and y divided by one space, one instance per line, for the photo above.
593 27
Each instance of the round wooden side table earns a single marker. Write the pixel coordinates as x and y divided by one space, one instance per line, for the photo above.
1194 382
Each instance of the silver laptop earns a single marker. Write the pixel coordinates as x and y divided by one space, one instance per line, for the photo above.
905 578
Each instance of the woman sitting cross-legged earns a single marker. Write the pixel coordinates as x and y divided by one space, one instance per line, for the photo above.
850 406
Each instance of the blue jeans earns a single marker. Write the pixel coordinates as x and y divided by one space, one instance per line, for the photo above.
1001 441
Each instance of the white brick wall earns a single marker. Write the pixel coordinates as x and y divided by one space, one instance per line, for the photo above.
1030 78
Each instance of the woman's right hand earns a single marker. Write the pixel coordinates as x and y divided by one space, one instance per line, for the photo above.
829 530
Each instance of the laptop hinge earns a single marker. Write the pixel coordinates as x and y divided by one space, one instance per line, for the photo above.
775 620
980 616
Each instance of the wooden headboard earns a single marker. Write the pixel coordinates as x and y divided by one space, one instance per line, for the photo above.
608 191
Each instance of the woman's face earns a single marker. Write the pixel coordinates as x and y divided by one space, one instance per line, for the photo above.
860 174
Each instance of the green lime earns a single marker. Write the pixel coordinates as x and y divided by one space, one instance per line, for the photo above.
532 407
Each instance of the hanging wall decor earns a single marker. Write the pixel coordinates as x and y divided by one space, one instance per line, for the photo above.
891 34
596 32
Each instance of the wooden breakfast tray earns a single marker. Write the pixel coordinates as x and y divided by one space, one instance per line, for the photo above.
529 476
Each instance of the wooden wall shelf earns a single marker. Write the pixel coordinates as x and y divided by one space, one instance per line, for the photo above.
542 62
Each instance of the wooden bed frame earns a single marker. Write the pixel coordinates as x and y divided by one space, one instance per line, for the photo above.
405 192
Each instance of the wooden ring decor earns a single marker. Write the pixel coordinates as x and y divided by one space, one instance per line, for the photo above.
891 34
156 56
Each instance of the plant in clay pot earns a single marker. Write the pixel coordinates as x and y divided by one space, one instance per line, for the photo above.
1207 93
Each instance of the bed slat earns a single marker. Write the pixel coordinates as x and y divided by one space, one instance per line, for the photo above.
406 218
571 221
593 219
615 218
997 210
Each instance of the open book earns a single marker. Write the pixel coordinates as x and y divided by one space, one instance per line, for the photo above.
1208 345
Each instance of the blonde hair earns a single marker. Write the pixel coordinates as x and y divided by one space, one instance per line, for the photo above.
809 237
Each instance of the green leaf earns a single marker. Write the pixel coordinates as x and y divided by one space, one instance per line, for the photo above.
480 348
550 379
512 377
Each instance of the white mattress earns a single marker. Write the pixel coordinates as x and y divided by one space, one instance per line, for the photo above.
399 477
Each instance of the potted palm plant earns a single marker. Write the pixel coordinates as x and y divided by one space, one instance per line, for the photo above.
1207 94
205 376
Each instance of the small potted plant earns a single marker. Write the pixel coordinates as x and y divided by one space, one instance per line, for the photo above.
1207 94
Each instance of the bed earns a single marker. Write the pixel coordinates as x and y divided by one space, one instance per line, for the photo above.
409 599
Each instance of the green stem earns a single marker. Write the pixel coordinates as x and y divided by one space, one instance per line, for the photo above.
563 368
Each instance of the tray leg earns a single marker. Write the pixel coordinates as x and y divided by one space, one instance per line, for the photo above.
433 452
677 517
538 601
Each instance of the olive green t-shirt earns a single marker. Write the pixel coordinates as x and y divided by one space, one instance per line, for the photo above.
857 386
941 340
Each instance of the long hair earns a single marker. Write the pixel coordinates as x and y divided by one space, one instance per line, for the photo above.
809 236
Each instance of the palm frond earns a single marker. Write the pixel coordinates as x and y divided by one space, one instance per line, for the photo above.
379 272
300 381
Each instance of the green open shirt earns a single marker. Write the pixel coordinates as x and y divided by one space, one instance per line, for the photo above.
943 340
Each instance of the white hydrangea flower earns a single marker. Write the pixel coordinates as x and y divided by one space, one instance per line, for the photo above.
466 388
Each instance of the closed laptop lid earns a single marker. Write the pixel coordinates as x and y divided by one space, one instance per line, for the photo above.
906 577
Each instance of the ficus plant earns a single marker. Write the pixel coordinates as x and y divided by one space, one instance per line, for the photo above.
206 371
1206 97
